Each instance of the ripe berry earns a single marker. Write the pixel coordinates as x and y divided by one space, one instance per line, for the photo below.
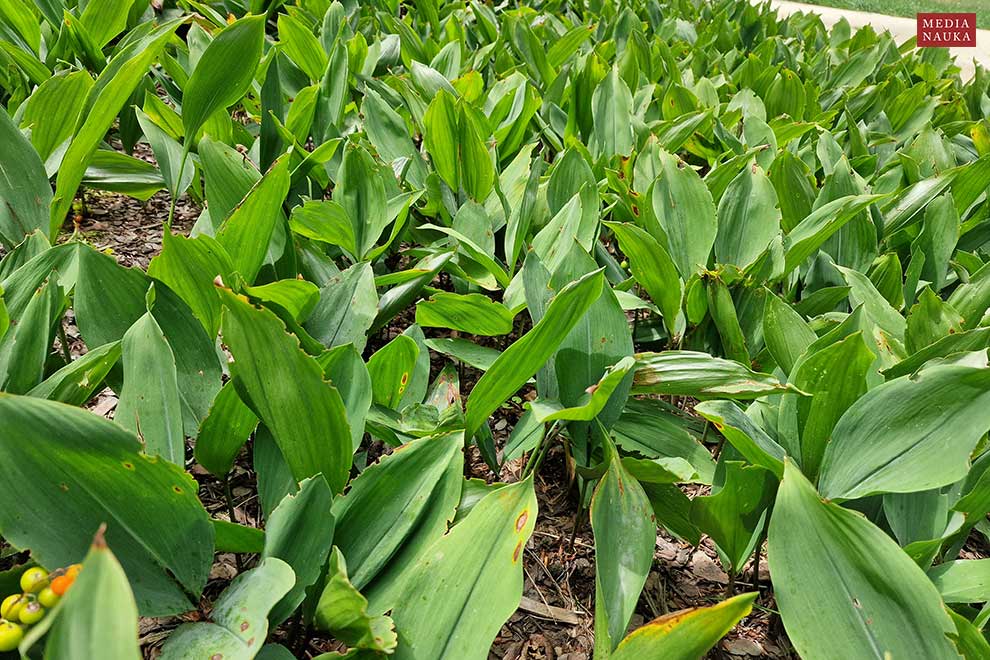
48 597
73 570
11 635
34 580
32 613
61 584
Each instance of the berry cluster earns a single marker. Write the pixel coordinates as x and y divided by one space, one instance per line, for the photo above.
41 591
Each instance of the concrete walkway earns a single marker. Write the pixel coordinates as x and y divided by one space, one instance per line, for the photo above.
900 28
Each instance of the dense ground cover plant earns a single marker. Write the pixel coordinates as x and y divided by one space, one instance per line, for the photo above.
617 207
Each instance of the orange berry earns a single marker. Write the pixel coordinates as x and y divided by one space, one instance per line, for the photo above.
61 584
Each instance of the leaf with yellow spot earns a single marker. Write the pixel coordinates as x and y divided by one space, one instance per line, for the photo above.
470 582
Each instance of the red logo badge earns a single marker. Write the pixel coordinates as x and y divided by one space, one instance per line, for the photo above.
944 30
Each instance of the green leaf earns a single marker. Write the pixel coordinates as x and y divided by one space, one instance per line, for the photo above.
246 234
149 401
360 192
347 306
653 269
809 235
240 616
470 582
52 111
908 434
684 207
224 431
233 537
744 434
748 218
301 46
691 373
24 347
223 73
596 399
844 588
24 186
472 313
178 176
381 509
611 108
526 355
625 535
81 630
962 581
300 532
835 377
189 266
77 471
785 332
285 388
106 99
342 610
391 369
76 382
687 634
735 515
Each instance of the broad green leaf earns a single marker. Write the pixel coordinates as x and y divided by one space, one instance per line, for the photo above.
735 516
361 194
98 617
835 377
748 218
325 221
224 431
687 634
77 471
473 313
653 269
786 334
300 532
625 535
391 369
691 373
189 266
380 510
863 292
684 207
106 99
611 108
387 588
24 186
240 616
343 611
78 381
908 434
596 399
25 345
521 360
844 588
809 235
470 581
285 388
223 73
149 403
301 46
744 434
246 234
962 581
52 112
347 306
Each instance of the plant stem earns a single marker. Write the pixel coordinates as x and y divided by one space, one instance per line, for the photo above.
64 342
228 496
